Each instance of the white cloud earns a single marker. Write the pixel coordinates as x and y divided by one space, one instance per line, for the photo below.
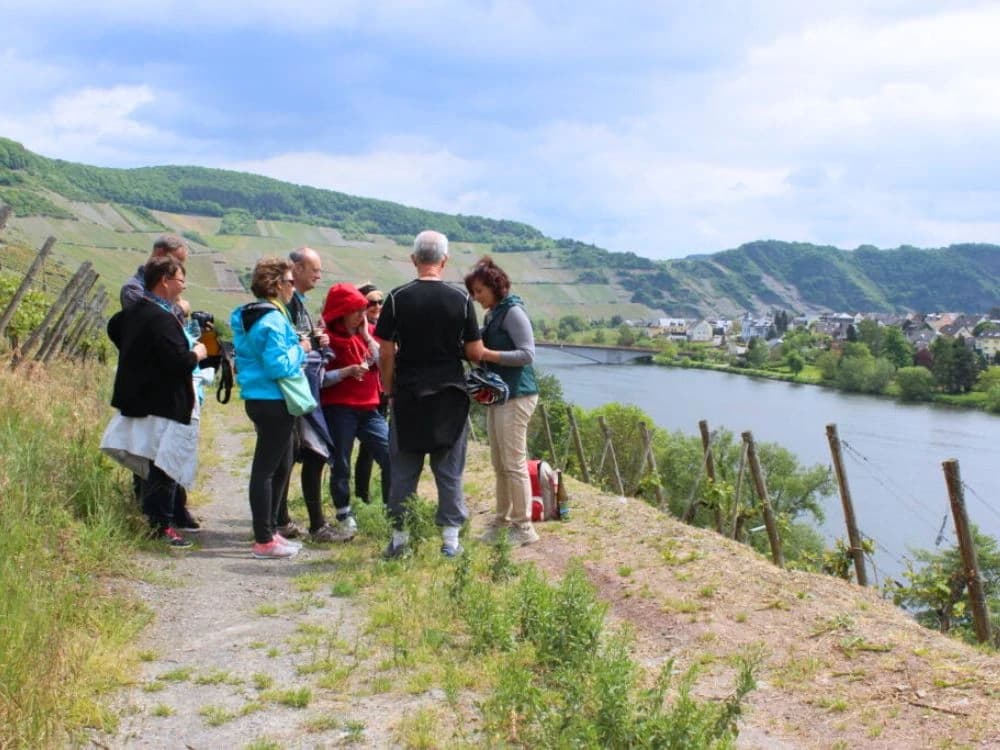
406 171
838 132
690 131
849 78
95 126
102 113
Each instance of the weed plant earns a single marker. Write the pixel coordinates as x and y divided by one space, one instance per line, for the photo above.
581 688
66 525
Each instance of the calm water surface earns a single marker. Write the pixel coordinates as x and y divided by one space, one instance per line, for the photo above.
894 470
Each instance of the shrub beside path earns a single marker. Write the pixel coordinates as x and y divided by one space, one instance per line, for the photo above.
270 654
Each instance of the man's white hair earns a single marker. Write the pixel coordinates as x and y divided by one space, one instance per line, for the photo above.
430 248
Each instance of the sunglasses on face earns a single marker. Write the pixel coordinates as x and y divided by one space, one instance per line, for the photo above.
374 303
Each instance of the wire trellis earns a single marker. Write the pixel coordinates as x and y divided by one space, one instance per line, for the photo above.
918 507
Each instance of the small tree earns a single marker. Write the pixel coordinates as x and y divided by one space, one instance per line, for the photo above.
827 363
896 348
915 383
936 593
626 337
795 362
756 353
988 379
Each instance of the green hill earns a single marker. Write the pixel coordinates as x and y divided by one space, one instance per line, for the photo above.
111 215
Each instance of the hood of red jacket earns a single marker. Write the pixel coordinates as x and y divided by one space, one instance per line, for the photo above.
341 300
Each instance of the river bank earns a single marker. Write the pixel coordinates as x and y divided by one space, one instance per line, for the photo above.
894 450
810 376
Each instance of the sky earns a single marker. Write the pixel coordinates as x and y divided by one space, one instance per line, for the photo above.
661 128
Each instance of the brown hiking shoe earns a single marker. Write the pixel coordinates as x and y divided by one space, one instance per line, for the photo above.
327 534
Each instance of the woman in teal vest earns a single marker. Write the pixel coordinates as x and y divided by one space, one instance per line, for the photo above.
510 350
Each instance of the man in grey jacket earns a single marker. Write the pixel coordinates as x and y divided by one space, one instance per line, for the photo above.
165 245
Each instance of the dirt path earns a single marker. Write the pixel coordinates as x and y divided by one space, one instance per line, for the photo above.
236 641
231 634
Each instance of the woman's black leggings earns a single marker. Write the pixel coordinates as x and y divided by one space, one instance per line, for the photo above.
312 487
272 462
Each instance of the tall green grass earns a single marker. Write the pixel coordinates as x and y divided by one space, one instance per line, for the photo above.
66 531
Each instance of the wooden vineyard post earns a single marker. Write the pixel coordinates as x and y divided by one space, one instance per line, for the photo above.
706 445
857 551
25 284
548 434
977 597
578 444
765 502
60 303
89 319
57 337
650 460
737 518
610 448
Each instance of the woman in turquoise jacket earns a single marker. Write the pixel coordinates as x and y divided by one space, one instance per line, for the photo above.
267 348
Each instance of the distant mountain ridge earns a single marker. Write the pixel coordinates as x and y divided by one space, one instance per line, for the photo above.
755 276
812 278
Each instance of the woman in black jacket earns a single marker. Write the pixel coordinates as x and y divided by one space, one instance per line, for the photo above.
153 387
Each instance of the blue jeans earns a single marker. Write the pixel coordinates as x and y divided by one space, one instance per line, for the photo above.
372 431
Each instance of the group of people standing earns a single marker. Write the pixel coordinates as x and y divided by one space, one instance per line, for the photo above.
387 372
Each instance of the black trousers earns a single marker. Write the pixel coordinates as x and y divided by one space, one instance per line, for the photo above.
158 495
272 463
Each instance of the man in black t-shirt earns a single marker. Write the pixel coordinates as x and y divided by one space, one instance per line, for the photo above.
426 329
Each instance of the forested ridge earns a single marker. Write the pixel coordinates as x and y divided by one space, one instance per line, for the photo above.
755 276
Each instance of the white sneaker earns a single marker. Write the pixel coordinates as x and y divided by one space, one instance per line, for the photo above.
286 543
348 523
274 549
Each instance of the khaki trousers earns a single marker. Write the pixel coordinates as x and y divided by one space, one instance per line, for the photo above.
507 429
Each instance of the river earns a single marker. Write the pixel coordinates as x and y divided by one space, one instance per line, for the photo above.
893 461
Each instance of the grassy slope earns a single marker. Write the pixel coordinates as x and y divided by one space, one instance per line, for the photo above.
116 241
66 525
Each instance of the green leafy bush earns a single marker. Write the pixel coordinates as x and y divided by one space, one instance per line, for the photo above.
572 685
915 383
239 222
28 203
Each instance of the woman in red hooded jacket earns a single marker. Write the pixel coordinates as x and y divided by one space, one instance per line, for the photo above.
350 404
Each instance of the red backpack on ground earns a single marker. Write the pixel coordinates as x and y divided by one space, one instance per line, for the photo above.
544 487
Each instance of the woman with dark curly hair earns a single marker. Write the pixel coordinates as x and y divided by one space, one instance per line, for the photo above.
510 351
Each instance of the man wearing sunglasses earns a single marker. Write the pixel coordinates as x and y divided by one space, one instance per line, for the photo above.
311 436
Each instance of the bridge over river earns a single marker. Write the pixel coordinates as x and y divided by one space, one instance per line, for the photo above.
602 355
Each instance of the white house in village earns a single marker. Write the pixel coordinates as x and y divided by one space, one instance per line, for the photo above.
751 326
988 342
700 332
